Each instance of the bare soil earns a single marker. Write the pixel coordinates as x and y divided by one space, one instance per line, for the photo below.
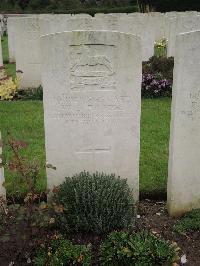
18 242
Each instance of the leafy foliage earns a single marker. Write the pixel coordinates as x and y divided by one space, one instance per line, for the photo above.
30 94
189 222
68 6
8 86
162 66
154 87
94 202
142 249
175 5
157 77
62 252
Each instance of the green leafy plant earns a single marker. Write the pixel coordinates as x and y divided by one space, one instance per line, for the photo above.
189 222
62 252
30 94
94 202
8 86
140 249
157 78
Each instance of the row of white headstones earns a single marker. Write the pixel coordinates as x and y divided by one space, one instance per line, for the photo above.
92 103
24 34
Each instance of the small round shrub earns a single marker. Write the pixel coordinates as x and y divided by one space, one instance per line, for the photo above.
140 249
95 203
63 252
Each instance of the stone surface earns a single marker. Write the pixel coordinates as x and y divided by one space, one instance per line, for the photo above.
1 55
2 188
92 98
140 25
1 25
62 23
11 38
27 51
184 159
157 22
183 22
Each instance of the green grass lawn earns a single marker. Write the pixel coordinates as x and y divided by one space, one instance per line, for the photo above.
155 130
24 119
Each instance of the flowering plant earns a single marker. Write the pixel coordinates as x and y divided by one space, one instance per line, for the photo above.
161 48
8 86
153 87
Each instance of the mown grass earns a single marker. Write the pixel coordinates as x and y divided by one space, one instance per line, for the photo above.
24 121
155 129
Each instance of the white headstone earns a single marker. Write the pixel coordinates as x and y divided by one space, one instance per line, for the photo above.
1 25
92 98
79 15
27 51
2 180
141 26
11 38
184 159
109 22
1 54
157 22
184 22
12 32
60 24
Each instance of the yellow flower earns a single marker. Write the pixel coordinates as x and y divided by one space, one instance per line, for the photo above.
8 86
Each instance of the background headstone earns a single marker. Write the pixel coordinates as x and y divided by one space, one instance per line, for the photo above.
1 54
11 38
27 51
92 98
183 190
184 22
142 27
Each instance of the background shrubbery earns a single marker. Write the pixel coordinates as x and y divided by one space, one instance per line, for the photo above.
157 78
68 6
95 6
175 5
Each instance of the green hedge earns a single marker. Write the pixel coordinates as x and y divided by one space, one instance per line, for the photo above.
93 10
176 5
37 8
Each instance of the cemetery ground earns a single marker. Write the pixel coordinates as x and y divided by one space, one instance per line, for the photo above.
19 241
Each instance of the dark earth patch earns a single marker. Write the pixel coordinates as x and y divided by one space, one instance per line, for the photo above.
19 242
